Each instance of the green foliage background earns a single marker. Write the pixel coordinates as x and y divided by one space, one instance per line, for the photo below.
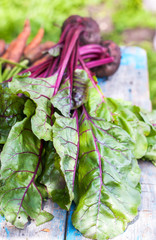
44 13
50 14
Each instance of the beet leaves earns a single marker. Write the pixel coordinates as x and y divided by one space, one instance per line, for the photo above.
68 142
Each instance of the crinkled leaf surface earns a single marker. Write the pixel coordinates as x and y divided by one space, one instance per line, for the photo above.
55 51
150 154
52 177
128 118
108 178
11 111
65 100
40 90
122 114
43 217
150 119
66 143
20 166
96 104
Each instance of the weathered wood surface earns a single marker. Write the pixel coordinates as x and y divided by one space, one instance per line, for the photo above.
53 230
129 83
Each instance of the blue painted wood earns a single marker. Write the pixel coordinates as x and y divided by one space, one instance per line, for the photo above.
53 230
130 82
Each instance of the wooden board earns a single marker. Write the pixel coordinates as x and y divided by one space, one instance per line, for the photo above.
130 82
53 230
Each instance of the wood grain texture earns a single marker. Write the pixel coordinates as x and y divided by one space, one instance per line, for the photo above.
130 82
53 230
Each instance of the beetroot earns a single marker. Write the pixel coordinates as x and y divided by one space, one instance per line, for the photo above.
108 69
91 33
72 52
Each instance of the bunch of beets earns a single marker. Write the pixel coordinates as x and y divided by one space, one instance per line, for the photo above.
62 139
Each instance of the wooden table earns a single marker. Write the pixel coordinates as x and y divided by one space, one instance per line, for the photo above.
130 82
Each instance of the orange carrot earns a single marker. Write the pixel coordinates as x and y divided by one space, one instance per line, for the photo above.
7 52
16 51
44 58
2 46
38 51
35 42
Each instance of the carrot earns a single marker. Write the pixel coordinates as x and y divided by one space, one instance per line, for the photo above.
38 51
35 42
16 51
43 59
7 52
2 46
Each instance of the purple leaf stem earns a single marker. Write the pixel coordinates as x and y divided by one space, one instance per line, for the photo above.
91 78
99 157
34 175
66 57
78 145
96 63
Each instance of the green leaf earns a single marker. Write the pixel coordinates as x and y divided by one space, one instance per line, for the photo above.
43 217
65 100
151 150
55 51
29 108
66 143
128 118
150 119
52 177
97 104
122 114
108 179
11 111
40 90
20 167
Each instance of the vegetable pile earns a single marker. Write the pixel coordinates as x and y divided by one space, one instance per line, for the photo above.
18 54
62 139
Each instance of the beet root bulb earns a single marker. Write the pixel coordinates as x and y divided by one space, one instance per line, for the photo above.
110 68
91 33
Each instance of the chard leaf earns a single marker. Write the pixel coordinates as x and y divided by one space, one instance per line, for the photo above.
128 118
55 51
108 180
20 167
11 111
40 90
122 114
52 177
150 119
65 100
66 143
151 150
97 105
43 217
